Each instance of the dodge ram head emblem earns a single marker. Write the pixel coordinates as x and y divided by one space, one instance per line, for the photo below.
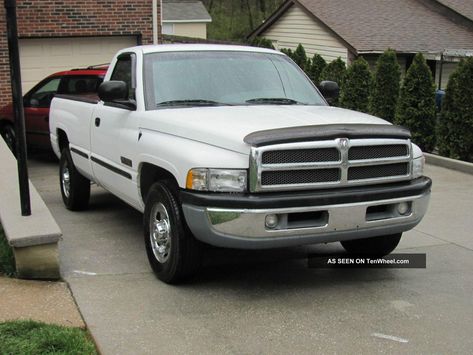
343 143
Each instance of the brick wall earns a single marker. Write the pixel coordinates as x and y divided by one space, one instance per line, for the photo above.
66 18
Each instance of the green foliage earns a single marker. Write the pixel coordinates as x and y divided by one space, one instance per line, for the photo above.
357 85
386 84
300 57
416 107
234 20
335 71
29 337
262 42
7 260
317 65
455 129
288 52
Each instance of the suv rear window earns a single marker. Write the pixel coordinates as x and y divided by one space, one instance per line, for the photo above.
79 85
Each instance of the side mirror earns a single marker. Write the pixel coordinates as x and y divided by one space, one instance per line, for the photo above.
330 90
113 91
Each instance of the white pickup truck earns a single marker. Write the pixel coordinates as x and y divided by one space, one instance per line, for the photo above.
235 147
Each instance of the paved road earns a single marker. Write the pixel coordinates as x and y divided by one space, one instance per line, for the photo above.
269 302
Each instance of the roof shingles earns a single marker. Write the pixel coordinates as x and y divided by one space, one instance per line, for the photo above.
182 11
404 25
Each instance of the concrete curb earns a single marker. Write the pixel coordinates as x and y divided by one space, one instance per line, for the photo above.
448 163
34 238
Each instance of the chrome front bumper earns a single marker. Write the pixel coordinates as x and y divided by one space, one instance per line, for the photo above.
246 228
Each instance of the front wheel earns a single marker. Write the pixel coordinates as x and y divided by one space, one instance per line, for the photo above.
173 252
376 246
75 188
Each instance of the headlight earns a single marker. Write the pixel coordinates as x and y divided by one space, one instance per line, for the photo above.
221 180
418 167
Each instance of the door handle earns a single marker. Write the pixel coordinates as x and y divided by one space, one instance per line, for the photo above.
97 121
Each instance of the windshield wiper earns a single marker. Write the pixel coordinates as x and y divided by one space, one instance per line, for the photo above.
194 102
274 100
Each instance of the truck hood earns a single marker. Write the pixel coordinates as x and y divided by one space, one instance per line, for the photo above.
226 126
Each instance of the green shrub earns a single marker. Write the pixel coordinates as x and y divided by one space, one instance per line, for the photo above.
262 42
357 85
300 57
386 84
416 107
288 52
455 129
317 65
29 337
335 71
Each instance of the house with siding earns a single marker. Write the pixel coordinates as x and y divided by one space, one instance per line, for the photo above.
440 29
185 18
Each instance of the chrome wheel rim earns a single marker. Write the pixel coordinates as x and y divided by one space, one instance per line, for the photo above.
66 180
160 232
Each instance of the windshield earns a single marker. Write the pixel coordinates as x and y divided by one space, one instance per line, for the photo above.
213 78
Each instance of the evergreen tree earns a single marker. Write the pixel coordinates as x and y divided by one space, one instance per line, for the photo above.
262 42
300 57
416 107
335 71
288 52
357 85
386 84
317 65
455 129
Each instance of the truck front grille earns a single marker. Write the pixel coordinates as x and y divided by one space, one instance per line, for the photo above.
328 164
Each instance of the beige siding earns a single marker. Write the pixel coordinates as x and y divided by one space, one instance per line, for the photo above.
295 27
196 30
447 70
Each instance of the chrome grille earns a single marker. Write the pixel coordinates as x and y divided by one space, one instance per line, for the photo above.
299 176
328 164
377 152
377 171
301 156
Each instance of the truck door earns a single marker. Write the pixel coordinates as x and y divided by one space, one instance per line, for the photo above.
114 137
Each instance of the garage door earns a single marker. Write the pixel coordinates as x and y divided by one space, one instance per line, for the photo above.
42 57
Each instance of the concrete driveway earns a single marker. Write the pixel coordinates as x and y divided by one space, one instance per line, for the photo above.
269 302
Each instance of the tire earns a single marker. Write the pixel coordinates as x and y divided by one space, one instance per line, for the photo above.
8 134
75 188
173 252
376 246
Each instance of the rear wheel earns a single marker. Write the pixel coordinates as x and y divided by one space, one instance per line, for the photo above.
75 188
376 246
8 134
173 252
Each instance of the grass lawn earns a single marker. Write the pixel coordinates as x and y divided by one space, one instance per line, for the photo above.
7 261
29 337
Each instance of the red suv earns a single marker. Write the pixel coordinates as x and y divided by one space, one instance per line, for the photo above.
37 101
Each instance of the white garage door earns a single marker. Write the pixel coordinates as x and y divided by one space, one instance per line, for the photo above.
44 56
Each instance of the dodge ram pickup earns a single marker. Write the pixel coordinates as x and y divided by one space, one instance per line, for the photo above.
235 147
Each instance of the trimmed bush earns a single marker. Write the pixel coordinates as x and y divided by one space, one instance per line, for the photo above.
262 42
455 129
300 57
386 84
416 108
317 65
357 85
288 52
335 71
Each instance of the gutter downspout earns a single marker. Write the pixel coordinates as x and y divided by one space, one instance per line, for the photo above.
155 20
